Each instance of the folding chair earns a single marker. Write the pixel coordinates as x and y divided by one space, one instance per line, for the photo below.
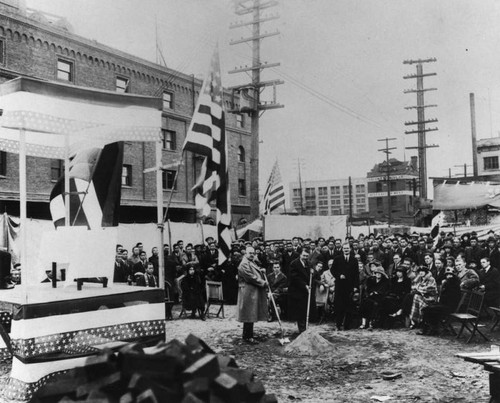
461 308
214 297
471 316
496 318
322 302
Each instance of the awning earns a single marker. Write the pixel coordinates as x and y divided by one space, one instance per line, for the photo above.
50 112
466 195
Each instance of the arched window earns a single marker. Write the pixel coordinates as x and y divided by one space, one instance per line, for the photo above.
241 154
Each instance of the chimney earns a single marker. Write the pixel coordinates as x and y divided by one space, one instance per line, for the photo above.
473 134
414 162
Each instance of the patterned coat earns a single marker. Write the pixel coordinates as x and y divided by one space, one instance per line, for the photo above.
252 294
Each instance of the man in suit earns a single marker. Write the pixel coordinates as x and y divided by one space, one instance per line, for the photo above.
474 252
252 297
288 257
406 250
299 291
148 279
5 263
345 271
329 254
278 285
489 277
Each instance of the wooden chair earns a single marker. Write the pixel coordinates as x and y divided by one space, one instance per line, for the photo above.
496 312
471 316
214 297
461 308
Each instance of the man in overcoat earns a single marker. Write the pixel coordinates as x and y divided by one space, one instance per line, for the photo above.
252 295
345 271
298 290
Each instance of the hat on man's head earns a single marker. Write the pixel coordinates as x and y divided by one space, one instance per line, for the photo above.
379 269
449 270
423 268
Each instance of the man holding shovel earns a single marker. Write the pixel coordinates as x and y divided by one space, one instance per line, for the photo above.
252 295
299 291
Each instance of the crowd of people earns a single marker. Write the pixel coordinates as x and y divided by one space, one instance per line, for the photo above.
369 281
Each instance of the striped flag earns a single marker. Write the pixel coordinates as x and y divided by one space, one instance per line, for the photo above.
207 137
274 195
95 187
437 222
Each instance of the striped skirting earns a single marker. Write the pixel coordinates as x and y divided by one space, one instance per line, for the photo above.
51 337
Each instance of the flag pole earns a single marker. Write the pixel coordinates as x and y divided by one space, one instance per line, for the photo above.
173 185
159 214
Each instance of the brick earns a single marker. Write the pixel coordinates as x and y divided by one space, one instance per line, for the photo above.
269 398
190 398
127 398
208 367
195 342
85 389
199 387
242 376
226 361
255 391
226 387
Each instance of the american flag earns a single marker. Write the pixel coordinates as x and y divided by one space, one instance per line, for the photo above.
207 137
274 196
95 187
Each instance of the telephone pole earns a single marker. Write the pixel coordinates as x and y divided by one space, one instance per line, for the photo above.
387 151
250 92
421 122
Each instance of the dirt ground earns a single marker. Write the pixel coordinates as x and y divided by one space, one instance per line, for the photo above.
351 370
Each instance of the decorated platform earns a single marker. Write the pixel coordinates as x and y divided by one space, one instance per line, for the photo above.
61 326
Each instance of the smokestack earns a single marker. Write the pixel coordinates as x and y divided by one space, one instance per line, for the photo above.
473 133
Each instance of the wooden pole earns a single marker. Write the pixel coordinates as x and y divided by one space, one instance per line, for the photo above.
159 213
25 275
66 180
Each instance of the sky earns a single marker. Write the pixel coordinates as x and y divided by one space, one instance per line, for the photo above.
342 63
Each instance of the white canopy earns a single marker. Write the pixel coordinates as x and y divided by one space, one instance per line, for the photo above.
53 114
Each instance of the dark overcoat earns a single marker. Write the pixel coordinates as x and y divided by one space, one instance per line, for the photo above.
252 293
344 287
298 281
192 293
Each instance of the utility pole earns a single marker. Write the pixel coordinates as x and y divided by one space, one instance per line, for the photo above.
299 162
350 206
250 94
421 122
387 151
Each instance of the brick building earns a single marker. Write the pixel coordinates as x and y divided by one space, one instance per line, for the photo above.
403 195
329 197
41 46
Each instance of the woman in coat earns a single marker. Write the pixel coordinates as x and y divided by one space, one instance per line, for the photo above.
252 295
448 303
192 293
392 304
377 288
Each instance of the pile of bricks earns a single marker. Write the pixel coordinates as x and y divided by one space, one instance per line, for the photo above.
187 372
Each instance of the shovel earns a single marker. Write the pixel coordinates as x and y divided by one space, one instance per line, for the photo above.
309 299
283 339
